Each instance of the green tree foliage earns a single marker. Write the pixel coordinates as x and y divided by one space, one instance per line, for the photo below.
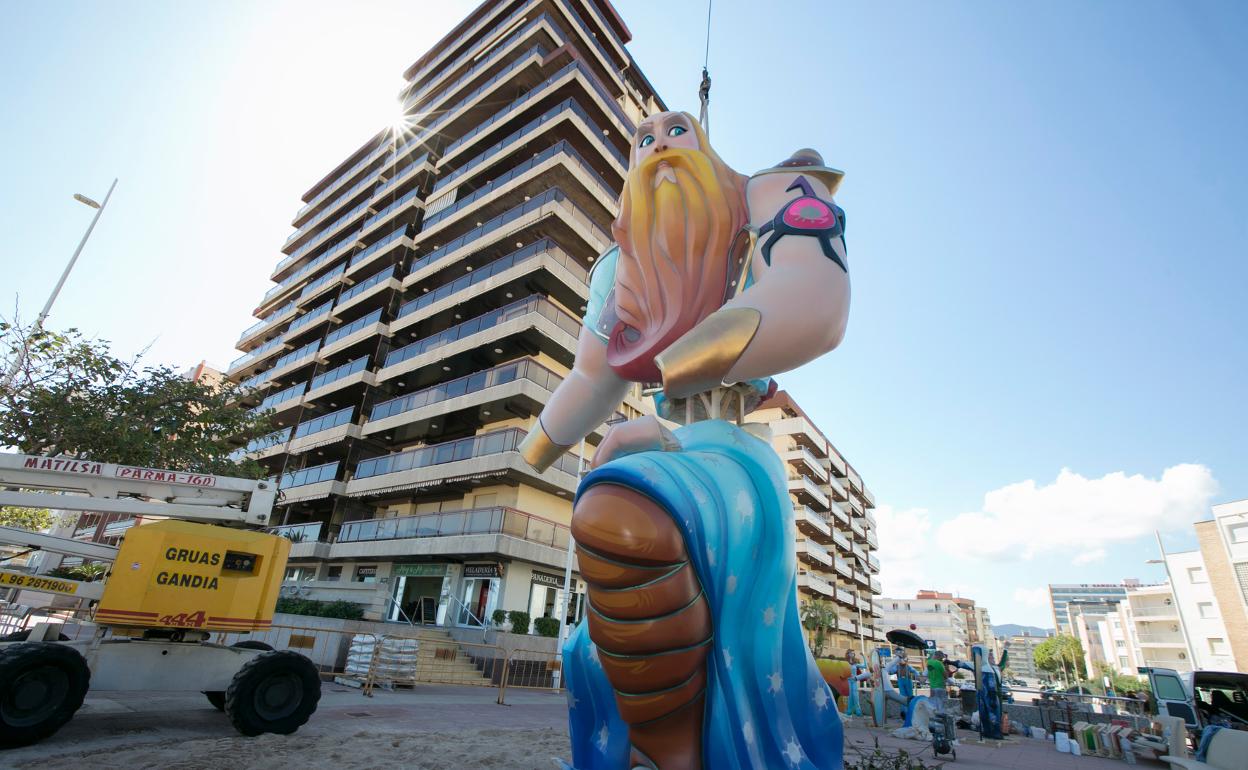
1062 655
33 519
818 616
72 397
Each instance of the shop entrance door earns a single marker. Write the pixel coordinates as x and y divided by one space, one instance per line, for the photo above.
476 601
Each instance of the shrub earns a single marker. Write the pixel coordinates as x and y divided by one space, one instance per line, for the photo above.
546 627
499 617
519 621
313 608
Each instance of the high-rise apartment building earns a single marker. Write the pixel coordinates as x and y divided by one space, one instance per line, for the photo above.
1022 657
937 617
426 306
1061 594
836 529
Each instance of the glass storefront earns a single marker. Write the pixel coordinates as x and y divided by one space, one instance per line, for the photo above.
417 593
546 596
479 595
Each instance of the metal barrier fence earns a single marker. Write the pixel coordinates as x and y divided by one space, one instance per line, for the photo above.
76 621
533 669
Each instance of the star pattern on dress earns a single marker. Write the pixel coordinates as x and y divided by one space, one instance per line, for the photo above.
732 584
728 658
651 474
593 655
747 730
572 701
769 616
821 697
793 752
710 556
603 735
776 682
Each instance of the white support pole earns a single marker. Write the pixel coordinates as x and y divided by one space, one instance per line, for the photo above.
567 582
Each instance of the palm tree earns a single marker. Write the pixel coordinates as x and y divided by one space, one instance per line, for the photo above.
818 616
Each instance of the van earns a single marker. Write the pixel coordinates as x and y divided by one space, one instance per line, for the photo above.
1201 698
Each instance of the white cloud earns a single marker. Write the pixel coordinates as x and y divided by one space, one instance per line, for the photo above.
1078 515
1089 557
904 541
1032 597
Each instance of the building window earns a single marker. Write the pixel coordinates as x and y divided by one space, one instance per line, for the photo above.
1206 609
1238 533
1196 575
333 574
894 605
1120 644
1217 645
300 574
1241 577
1122 662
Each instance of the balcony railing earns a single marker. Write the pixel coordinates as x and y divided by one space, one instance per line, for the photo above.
378 246
268 441
399 174
552 195
562 147
310 316
502 264
311 532
353 327
311 223
458 60
263 322
338 372
329 188
525 369
256 354
410 196
313 475
324 422
379 277
539 305
554 113
256 381
475 521
298 354
313 286
1162 611
272 400
319 238
482 445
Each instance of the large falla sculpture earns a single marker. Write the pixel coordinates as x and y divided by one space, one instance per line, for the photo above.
692 653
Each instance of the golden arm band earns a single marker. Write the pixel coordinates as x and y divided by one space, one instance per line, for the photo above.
538 450
702 358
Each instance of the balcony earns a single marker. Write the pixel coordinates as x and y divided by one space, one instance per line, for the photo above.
294 360
308 541
326 429
857 551
536 313
371 286
859 528
553 204
401 176
486 455
839 492
842 542
814 554
807 492
806 463
476 521
861 578
332 187
524 379
837 463
372 254
436 64
837 511
264 325
855 483
872 540
320 314
874 562
846 597
364 328
353 372
812 524
310 483
1166 612
539 267
876 587
284 399
803 433
265 445
842 567
410 201
814 585
1162 640
253 356
567 109
559 162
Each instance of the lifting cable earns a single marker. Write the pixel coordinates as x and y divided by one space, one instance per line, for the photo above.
704 90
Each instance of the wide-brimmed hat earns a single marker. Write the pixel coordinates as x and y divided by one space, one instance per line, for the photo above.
808 161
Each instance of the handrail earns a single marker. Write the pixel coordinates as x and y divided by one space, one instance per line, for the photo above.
484 628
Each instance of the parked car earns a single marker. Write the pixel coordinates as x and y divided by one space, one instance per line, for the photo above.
1201 698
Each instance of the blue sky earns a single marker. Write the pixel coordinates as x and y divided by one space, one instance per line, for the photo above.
1046 228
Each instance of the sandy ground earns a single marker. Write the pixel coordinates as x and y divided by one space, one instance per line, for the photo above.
431 728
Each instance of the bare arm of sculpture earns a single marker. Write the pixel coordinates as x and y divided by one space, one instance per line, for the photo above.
584 400
796 310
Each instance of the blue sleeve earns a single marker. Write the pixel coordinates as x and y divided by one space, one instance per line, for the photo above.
601 286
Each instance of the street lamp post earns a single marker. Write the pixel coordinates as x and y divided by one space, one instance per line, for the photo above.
56 290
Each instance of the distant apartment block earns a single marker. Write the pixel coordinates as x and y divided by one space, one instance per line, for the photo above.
1224 551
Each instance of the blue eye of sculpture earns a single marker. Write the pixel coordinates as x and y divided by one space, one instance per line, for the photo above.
676 131
646 140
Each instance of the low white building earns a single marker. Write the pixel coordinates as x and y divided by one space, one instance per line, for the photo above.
940 620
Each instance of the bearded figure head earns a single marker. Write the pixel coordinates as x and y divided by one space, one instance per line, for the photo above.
681 211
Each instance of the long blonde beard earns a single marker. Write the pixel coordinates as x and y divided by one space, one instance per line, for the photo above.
674 242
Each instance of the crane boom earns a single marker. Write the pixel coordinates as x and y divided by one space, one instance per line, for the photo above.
84 485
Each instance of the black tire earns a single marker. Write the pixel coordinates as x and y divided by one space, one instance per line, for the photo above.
42 685
274 692
217 697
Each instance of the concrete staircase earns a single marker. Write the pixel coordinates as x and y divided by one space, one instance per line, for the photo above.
440 659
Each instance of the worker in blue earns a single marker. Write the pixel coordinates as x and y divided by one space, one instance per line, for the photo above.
858 672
